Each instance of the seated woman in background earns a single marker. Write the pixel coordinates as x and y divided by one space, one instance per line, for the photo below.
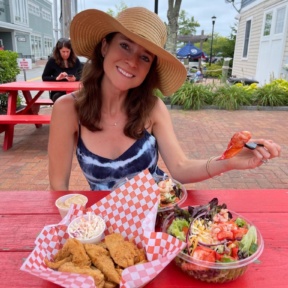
64 65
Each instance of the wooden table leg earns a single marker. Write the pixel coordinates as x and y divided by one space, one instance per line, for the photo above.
8 138
32 109
9 128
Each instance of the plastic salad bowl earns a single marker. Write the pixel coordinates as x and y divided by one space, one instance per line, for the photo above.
215 259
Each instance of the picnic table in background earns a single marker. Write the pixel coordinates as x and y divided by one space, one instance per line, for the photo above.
24 214
29 114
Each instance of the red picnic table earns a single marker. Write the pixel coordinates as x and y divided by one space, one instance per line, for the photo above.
24 214
28 115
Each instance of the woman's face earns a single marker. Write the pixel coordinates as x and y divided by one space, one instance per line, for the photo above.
65 53
126 64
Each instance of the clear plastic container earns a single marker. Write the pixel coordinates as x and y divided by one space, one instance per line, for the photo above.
215 272
163 212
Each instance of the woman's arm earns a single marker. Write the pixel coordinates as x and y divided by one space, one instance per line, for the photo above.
194 170
78 69
49 72
62 138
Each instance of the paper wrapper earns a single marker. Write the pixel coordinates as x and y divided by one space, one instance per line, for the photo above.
130 210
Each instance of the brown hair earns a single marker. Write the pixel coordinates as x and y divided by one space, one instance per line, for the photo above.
138 104
64 42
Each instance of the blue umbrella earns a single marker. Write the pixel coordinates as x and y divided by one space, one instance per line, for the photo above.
190 51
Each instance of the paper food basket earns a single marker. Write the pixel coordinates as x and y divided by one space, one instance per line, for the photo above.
130 210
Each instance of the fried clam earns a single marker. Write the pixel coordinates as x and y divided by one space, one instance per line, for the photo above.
96 274
122 252
101 259
74 248
57 264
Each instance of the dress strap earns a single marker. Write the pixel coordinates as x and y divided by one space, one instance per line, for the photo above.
73 95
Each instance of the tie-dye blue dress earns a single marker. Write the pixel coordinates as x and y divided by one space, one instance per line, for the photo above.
102 173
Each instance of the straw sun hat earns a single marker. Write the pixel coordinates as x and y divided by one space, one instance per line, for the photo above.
138 24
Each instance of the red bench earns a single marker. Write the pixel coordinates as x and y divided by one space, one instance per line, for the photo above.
44 102
25 119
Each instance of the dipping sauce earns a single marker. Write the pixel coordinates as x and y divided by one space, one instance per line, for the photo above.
75 199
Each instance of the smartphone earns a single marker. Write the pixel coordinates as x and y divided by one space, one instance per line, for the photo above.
70 75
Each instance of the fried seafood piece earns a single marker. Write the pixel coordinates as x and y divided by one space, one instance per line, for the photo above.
110 284
101 259
96 274
141 256
74 248
236 144
56 265
123 252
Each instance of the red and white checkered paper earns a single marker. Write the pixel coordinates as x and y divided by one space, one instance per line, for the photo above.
130 210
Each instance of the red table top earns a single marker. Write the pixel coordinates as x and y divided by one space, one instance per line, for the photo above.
24 214
40 86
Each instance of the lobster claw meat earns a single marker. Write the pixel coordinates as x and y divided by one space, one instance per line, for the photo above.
236 144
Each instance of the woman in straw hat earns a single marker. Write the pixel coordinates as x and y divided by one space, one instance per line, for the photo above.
114 120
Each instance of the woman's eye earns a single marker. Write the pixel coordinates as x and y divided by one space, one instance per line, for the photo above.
124 46
145 58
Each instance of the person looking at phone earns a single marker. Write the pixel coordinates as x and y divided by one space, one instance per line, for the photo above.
64 65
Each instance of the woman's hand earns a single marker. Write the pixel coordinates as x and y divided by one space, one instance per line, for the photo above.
61 76
71 78
249 159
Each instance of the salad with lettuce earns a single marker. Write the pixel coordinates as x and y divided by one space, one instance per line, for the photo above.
212 234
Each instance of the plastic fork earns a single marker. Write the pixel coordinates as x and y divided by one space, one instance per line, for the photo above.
253 145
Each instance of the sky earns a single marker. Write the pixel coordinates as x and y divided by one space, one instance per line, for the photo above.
202 10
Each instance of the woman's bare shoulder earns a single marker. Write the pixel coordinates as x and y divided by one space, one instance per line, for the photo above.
159 109
64 108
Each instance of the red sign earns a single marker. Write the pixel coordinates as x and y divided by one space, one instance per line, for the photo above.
24 63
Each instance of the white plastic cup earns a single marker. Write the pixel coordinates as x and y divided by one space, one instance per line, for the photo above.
63 201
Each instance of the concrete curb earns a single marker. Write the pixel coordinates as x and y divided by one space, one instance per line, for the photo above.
252 108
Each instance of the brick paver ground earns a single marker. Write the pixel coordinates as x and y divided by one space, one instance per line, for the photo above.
201 133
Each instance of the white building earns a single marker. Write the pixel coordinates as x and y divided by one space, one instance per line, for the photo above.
261 48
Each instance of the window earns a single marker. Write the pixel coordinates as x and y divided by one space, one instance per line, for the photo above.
46 15
20 12
280 19
246 39
36 46
34 9
268 24
47 46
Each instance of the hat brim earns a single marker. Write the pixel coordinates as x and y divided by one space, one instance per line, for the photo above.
90 26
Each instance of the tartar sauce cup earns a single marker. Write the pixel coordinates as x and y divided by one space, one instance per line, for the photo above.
63 203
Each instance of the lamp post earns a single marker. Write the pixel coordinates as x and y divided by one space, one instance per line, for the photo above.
156 7
213 23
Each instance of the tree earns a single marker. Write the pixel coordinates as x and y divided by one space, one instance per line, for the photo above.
122 6
186 26
172 27
234 4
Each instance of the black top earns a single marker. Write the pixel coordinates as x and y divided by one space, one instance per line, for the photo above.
52 70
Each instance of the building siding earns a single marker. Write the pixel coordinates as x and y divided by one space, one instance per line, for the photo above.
247 67
20 39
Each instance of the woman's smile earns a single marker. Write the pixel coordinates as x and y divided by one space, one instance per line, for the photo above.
126 74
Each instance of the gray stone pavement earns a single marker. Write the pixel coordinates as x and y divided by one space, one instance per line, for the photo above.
201 134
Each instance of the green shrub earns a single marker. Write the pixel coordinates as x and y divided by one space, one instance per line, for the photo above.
272 94
8 66
231 97
8 71
215 70
192 96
